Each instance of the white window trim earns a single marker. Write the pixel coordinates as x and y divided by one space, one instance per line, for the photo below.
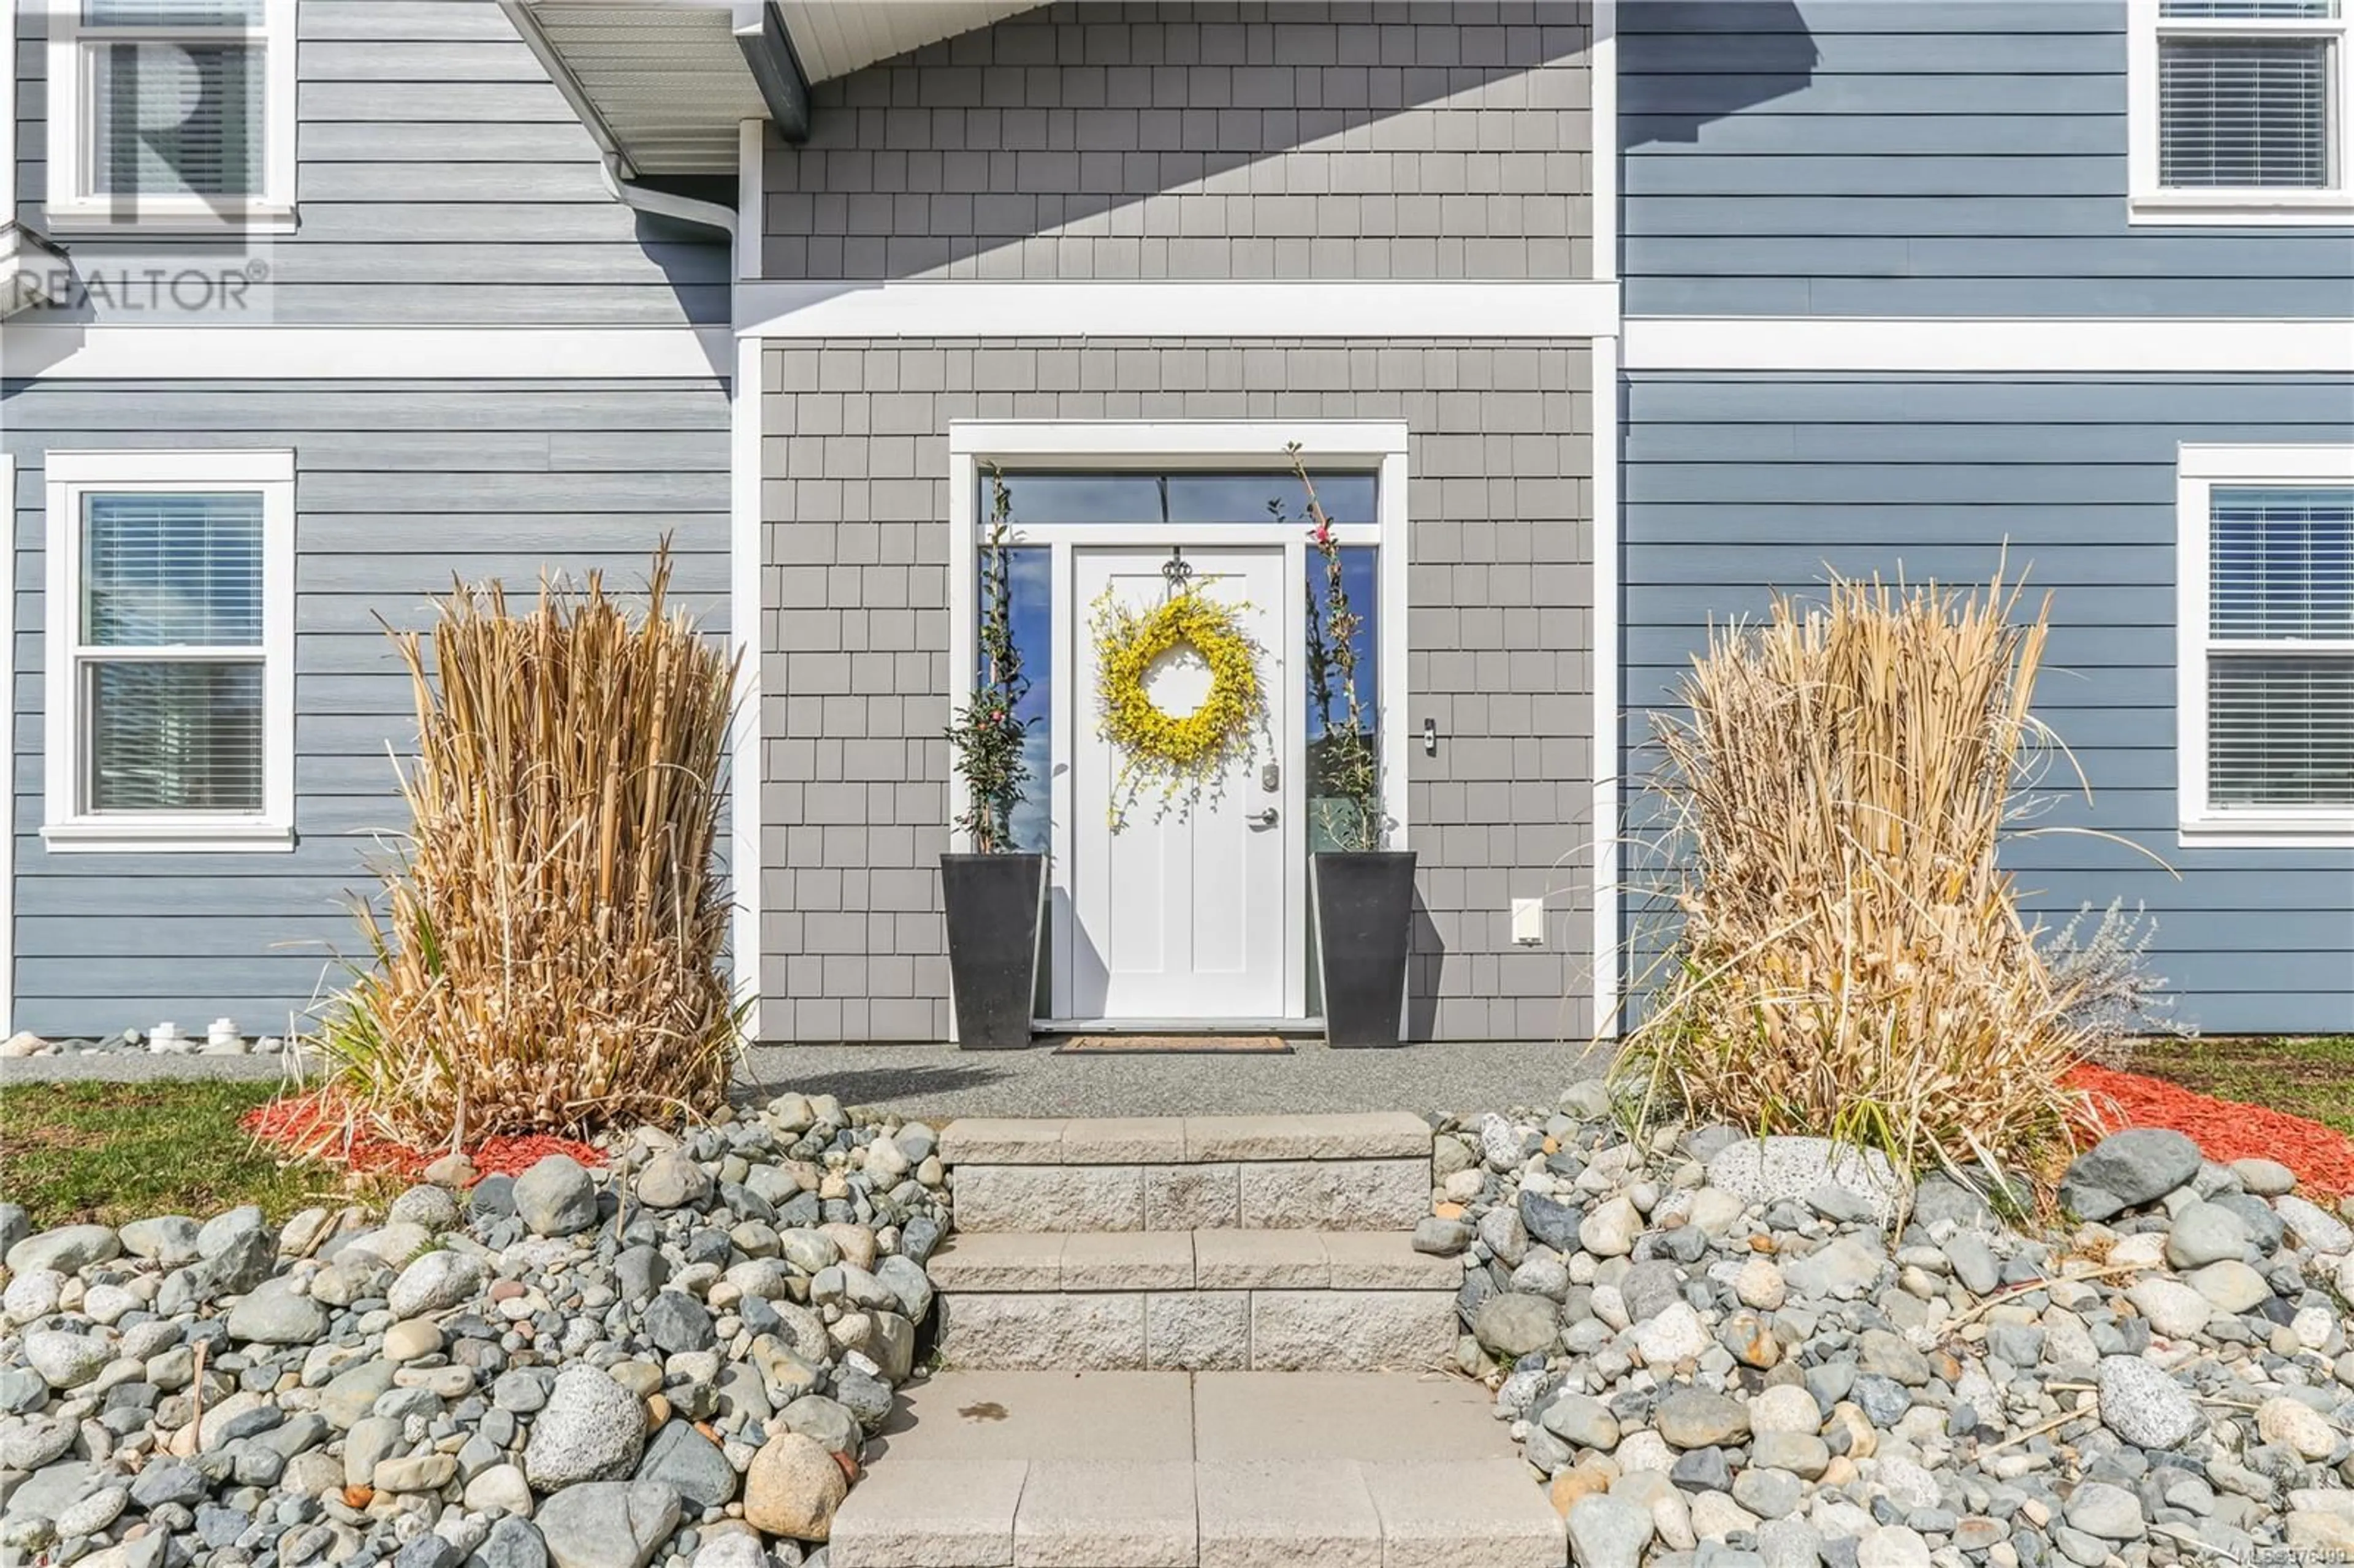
2198 470
2149 202
70 476
71 213
8 119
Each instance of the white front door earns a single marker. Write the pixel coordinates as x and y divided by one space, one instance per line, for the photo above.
1181 915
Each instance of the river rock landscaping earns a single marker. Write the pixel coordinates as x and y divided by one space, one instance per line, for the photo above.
1715 1350
678 1356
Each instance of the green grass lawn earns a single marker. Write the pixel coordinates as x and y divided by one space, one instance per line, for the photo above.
116 1152
2313 1078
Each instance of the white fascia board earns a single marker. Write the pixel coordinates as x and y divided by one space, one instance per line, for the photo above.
343 352
954 308
2026 345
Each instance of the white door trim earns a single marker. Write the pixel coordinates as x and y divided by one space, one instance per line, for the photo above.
1380 446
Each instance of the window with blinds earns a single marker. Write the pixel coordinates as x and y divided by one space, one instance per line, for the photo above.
171 654
178 98
2280 653
2243 105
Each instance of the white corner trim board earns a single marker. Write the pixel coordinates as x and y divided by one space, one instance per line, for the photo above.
2023 344
343 353
1609 731
958 308
747 610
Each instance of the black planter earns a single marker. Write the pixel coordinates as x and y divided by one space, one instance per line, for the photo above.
1364 923
993 903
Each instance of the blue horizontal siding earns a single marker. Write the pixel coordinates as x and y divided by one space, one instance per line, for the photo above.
1828 158
398 488
1738 486
440 179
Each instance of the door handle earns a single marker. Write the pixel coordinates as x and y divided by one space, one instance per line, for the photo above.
1262 818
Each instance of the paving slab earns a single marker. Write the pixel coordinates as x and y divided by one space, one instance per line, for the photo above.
930 1513
1320 1415
1476 1513
1386 1260
1260 1260
1090 1514
1000 1260
1002 1140
1129 1260
1123 1140
1346 1135
1281 1513
1132 1416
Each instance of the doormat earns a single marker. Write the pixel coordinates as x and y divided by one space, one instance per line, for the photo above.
1173 1046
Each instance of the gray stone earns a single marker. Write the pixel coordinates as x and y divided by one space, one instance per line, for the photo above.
271 1314
555 1197
690 1464
1506 1239
672 1181
2108 1512
1784 1169
908 1283
1974 1263
592 1430
64 1361
607 1524
1694 1418
2204 1233
1768 1494
67 1249
158 1485
2230 1285
677 1322
2314 1228
168 1239
431 1207
1607 1532
1513 1325
16 1225
433 1283
2126 1170
828 1421
351 1394
1882 1400
1554 1223
1574 1418
2142 1404
1649 1288
1441 1237
1848 1267
640 1271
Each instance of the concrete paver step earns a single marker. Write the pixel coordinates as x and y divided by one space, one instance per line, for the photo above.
1354 1194
1188 1260
1207 1470
1182 1140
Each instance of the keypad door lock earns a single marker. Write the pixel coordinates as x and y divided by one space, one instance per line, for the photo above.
1270 777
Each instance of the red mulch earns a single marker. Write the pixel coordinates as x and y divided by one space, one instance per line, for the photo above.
2225 1130
317 1126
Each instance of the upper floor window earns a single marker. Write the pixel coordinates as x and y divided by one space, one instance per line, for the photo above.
2238 111
2266 697
170 650
173 114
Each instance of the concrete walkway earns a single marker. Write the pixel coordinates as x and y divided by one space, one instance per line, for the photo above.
1197 1470
938 1081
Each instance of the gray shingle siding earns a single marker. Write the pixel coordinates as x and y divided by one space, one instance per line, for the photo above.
1138 141
1736 482
399 485
443 180
1873 157
854 623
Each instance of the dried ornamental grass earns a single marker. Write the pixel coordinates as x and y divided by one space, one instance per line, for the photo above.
553 955
1852 960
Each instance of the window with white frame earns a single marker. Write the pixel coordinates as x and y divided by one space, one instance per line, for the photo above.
2238 111
171 114
2266 695
170 644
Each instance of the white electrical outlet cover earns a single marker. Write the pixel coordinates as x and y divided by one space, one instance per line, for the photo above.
1528 922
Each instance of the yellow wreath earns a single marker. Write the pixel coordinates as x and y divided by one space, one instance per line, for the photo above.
1184 755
